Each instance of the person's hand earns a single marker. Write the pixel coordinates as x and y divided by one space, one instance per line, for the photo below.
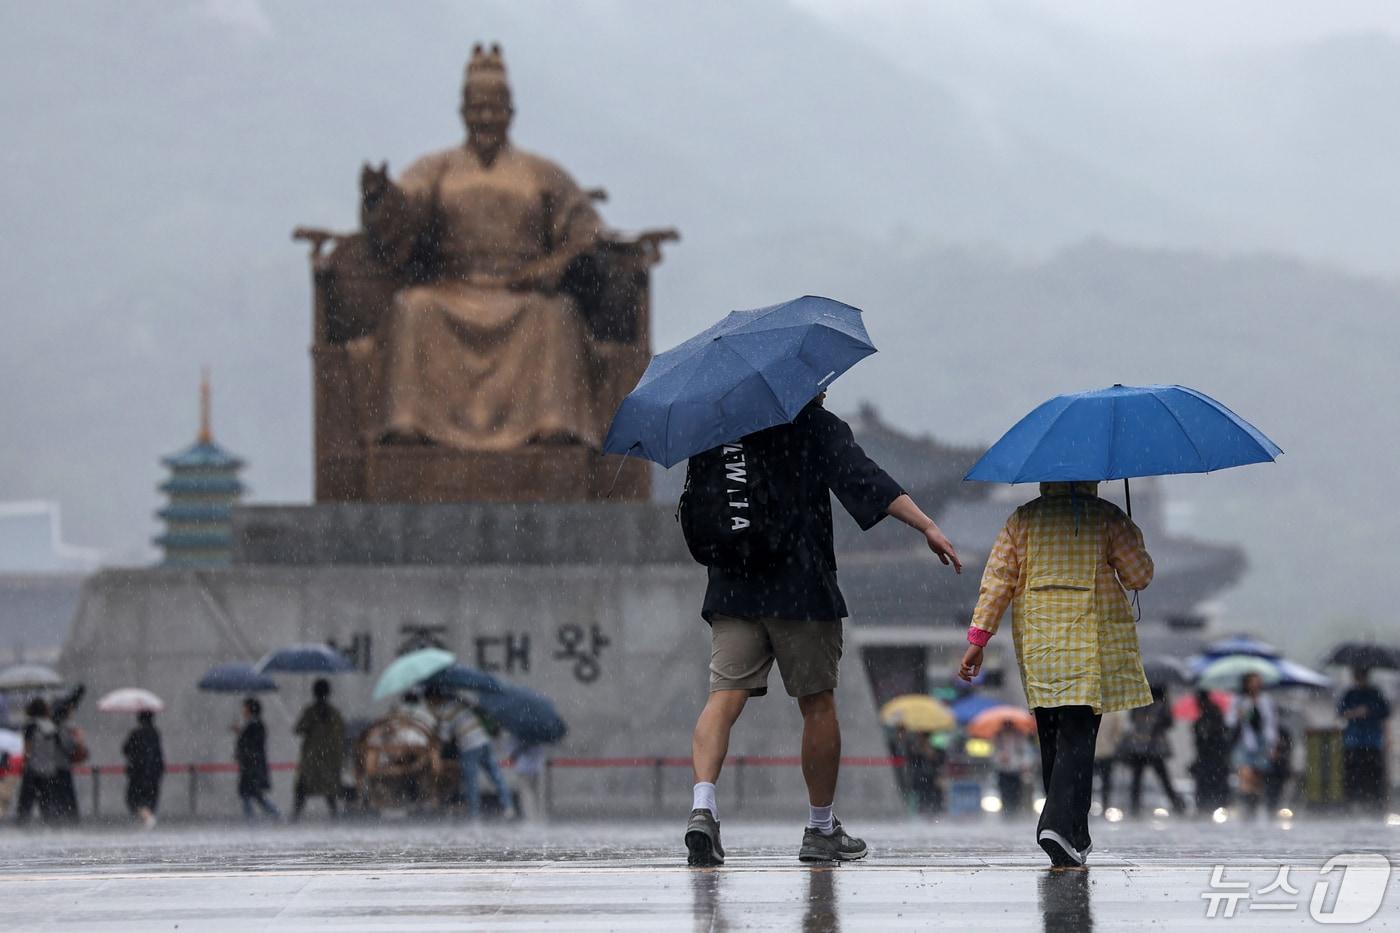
939 544
971 663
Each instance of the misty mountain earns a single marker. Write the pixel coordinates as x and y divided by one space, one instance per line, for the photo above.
969 197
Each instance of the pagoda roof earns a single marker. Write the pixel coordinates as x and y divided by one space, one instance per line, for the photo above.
196 511
202 483
203 455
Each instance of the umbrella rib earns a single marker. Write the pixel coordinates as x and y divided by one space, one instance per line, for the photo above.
1184 433
1045 434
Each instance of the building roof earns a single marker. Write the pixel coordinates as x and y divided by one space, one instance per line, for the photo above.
203 455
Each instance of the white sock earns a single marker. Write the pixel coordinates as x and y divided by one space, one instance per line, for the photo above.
820 819
705 799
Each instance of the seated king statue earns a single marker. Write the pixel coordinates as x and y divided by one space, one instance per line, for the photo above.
474 339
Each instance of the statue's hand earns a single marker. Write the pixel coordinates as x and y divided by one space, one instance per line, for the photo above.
374 182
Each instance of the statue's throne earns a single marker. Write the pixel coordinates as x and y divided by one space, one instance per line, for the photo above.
353 292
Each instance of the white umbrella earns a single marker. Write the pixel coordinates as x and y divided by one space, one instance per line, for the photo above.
29 677
130 700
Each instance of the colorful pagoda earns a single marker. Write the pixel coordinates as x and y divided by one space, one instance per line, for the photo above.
203 488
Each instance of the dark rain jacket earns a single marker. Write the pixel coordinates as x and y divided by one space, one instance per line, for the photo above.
816 455
251 755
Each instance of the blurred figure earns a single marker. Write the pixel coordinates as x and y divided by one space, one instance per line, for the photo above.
411 706
1253 722
898 744
250 751
322 731
43 750
1280 770
1364 710
528 761
75 752
145 769
462 729
925 772
1011 754
1145 746
1063 562
1211 769
1112 727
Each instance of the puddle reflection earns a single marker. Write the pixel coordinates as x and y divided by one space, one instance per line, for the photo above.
1064 901
823 913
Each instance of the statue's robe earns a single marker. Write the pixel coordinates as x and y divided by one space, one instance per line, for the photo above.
473 358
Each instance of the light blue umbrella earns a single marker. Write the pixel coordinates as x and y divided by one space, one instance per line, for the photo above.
753 370
411 670
1121 432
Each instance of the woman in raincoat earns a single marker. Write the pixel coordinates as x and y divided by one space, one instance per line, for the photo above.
1062 562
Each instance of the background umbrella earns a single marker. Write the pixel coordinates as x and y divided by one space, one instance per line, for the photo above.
1122 432
986 724
305 659
1365 654
1163 671
1289 673
753 370
525 714
410 670
130 700
1228 673
235 677
969 706
918 712
461 677
1240 644
29 677
1186 709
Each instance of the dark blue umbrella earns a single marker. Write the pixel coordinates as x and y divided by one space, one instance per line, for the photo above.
972 704
235 677
753 370
1240 644
461 677
529 716
306 659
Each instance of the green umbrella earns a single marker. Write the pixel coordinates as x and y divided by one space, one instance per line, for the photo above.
1229 672
413 668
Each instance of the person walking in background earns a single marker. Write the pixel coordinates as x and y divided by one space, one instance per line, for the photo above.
1062 562
528 761
1145 746
250 751
461 729
1211 769
1011 754
322 731
43 751
145 769
1253 723
1364 711
776 600
75 752
926 762
1112 727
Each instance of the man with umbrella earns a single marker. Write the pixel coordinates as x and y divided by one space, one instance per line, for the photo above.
1364 710
743 401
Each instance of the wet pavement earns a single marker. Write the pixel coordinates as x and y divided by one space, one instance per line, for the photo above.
965 875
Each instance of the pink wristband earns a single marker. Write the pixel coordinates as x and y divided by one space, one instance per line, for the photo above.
978 636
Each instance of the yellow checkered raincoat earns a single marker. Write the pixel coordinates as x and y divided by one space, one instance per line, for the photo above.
1063 561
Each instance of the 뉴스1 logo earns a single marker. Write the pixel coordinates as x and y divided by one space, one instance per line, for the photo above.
1349 889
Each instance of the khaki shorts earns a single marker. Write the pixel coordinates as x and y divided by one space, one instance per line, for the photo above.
742 651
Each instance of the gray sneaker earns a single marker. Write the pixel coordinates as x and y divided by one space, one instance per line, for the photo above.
702 840
836 847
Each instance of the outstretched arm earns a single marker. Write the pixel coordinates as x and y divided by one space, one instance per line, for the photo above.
906 510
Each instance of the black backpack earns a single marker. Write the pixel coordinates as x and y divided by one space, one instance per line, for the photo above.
733 512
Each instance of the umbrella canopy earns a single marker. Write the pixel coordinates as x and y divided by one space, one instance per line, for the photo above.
1365 654
988 723
1293 674
753 370
525 714
1228 673
1186 709
1164 671
235 677
29 677
130 700
1240 644
11 742
461 677
967 707
1286 673
305 659
1122 432
410 670
918 712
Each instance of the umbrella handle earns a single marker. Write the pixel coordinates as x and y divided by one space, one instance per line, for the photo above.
1128 497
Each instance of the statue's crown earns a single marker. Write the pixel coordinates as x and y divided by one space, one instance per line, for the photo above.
486 63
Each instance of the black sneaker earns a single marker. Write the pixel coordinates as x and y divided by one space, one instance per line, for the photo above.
702 840
1062 854
836 846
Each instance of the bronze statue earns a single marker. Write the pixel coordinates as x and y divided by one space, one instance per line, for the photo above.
484 310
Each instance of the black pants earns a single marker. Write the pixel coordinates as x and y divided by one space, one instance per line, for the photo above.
1009 785
1363 777
1158 764
1067 736
1104 768
299 796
